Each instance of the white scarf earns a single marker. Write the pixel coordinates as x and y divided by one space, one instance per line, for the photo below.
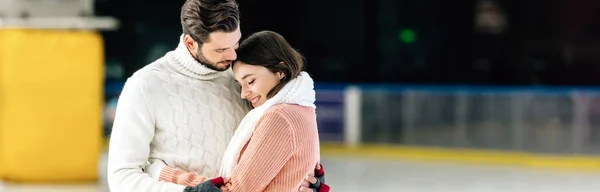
299 91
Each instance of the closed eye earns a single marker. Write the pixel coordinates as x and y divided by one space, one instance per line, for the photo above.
251 82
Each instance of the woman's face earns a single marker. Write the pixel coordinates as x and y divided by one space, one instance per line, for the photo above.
256 82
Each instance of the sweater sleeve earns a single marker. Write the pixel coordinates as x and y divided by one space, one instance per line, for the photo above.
178 176
129 148
269 149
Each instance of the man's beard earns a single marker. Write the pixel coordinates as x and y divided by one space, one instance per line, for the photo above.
202 60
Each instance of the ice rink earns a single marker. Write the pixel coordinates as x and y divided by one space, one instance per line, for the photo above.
359 174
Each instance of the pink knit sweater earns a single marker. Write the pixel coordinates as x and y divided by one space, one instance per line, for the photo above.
283 149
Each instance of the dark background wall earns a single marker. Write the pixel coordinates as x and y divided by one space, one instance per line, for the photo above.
549 42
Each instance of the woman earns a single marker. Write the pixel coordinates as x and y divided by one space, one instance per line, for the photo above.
277 142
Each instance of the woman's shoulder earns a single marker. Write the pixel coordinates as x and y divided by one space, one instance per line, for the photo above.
292 114
290 110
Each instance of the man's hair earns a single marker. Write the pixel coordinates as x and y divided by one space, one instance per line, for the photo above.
270 50
199 18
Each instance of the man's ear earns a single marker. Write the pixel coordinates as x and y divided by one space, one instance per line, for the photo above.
189 41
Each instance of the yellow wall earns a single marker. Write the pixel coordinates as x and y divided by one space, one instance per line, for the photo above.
51 87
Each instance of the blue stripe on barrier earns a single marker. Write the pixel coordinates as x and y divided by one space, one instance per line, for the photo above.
467 89
115 87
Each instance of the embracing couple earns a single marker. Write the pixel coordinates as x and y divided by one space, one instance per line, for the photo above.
217 115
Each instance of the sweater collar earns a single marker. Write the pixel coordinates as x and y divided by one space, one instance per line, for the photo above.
182 61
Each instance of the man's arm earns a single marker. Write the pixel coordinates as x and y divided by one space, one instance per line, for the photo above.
129 149
267 152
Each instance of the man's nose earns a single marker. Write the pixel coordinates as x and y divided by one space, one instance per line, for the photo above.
230 54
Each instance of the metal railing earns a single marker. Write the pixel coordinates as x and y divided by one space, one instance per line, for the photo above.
541 120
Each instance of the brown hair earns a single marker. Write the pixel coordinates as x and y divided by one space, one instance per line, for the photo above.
199 18
270 50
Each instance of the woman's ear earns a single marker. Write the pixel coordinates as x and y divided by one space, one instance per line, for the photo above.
280 75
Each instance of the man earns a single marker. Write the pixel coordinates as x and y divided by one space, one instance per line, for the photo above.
182 109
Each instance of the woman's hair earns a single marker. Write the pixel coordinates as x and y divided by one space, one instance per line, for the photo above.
270 50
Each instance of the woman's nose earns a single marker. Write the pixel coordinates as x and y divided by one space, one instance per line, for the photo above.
244 93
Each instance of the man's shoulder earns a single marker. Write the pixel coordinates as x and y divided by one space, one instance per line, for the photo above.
144 79
149 73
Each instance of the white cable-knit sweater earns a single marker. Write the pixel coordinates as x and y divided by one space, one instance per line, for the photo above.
175 110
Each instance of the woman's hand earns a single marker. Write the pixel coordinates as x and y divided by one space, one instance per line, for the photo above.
227 186
315 181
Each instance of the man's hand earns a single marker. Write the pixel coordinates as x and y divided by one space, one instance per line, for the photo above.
212 185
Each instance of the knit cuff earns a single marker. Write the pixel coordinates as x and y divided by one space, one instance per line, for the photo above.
320 172
219 181
167 174
324 188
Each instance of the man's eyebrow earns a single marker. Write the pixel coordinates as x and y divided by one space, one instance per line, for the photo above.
223 49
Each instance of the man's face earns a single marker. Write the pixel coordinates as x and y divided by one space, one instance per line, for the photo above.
218 52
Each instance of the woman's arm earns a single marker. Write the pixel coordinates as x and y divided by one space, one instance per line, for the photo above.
271 146
181 177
